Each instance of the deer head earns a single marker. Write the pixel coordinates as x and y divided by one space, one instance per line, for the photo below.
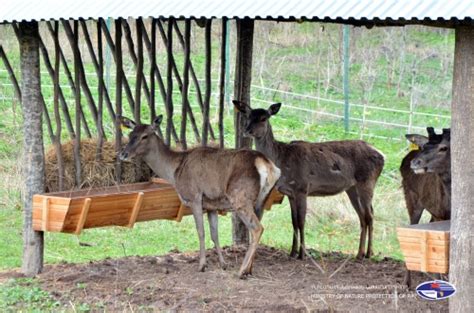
435 155
256 121
139 138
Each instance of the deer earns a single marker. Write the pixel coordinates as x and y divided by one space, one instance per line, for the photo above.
209 178
318 169
426 178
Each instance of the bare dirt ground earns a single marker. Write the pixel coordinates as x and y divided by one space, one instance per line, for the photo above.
171 282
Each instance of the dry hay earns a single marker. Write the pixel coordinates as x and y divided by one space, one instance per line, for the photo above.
95 173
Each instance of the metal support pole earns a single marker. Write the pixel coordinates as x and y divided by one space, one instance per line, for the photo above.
345 35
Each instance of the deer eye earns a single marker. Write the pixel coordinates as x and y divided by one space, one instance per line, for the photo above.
443 149
263 119
144 137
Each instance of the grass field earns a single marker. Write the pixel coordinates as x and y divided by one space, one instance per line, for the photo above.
407 68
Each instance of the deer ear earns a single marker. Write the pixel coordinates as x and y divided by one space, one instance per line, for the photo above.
126 122
447 134
418 140
157 121
274 108
242 107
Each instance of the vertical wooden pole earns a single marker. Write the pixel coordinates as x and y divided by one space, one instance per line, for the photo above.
185 85
33 152
242 83
100 89
169 81
461 272
152 69
207 98
118 95
222 81
57 116
77 81
139 73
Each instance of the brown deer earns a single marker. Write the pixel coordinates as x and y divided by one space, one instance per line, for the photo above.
318 169
426 178
210 178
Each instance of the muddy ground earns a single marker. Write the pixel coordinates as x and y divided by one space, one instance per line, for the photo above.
171 282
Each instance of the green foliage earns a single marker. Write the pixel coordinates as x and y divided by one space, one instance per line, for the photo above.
25 295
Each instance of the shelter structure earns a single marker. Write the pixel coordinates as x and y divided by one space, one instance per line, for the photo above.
158 20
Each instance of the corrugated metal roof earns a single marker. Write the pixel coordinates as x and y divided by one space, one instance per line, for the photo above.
352 10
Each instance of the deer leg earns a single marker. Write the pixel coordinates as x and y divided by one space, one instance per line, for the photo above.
213 227
354 198
301 212
366 193
198 219
250 220
294 221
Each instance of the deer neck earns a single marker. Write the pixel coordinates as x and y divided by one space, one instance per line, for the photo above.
446 179
268 145
162 160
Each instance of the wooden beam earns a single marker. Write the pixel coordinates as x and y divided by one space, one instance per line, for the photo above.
462 165
242 83
180 214
83 216
136 208
33 150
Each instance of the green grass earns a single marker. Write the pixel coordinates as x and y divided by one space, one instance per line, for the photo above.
290 63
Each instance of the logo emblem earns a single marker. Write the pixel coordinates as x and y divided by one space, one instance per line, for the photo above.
435 290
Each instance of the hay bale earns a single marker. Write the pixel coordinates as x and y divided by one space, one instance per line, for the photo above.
94 173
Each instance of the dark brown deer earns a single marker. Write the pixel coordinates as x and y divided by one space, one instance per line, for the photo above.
209 178
318 169
424 190
426 178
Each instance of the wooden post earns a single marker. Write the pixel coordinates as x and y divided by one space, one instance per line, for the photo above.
77 96
33 151
462 149
243 77
207 99
169 82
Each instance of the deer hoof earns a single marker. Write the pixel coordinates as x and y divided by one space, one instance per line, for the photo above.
202 267
360 255
293 254
369 254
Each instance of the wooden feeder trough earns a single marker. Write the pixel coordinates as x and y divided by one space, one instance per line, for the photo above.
121 205
426 246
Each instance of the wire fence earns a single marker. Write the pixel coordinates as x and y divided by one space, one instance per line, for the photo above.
365 120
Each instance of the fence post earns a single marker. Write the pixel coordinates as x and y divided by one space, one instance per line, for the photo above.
227 64
345 35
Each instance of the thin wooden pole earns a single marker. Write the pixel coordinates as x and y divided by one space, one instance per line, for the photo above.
128 38
57 116
178 80
169 81
185 86
50 69
152 56
77 96
96 64
126 85
207 98
118 94
11 74
222 81
195 80
83 80
153 71
16 87
139 73
33 150
101 91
